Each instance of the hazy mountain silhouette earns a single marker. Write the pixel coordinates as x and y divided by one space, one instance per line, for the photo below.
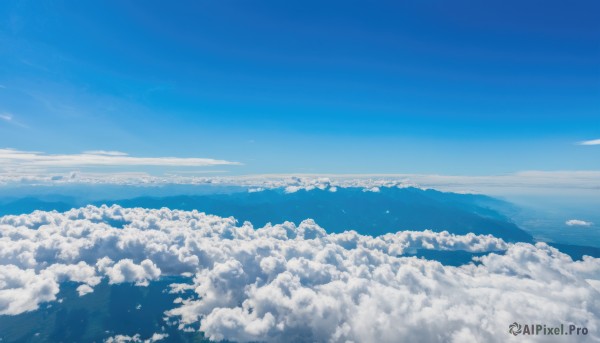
30 204
390 210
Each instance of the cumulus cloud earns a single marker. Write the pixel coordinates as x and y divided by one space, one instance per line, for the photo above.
11 158
590 142
283 282
136 338
22 290
84 289
369 296
578 222
127 271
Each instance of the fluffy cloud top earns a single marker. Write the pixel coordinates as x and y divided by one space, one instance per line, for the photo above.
136 338
285 282
127 271
578 222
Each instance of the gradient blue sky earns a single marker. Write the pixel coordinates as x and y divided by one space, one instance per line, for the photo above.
448 87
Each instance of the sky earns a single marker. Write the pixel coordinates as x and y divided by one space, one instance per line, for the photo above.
247 87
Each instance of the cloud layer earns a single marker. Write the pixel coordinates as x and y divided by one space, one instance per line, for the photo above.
285 283
529 182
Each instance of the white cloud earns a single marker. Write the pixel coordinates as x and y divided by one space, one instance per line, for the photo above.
105 152
23 290
527 182
127 271
577 222
590 142
9 118
6 117
298 283
84 289
136 338
364 295
11 158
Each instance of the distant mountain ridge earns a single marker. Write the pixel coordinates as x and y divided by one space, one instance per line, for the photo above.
372 213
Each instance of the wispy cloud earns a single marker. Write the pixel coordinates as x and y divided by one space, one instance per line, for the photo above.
578 222
16 158
105 152
9 118
6 117
590 142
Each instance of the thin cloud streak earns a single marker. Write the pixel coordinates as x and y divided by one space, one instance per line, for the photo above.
24 159
590 142
9 118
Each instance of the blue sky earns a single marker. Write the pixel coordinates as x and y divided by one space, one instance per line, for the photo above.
448 87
